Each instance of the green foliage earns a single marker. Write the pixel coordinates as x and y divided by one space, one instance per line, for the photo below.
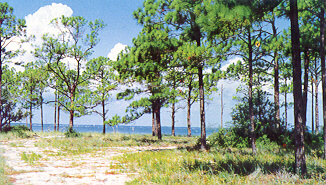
102 82
10 111
264 114
56 48
72 133
20 131
227 138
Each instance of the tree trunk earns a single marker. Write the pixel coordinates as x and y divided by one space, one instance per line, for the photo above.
30 116
203 145
276 81
300 160
173 111
322 57
173 119
157 106
286 104
71 118
276 92
58 118
189 109
42 113
312 107
1 86
71 112
26 116
251 109
305 87
153 121
55 110
103 115
316 105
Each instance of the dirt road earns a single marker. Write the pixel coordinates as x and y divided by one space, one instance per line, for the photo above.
96 168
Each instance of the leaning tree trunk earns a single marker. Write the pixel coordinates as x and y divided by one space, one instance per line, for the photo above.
300 159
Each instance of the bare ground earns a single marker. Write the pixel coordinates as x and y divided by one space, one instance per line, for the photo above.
94 168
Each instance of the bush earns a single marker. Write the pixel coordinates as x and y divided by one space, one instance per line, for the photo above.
72 133
228 138
18 130
264 113
314 143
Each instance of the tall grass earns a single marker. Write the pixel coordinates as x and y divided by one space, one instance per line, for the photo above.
272 165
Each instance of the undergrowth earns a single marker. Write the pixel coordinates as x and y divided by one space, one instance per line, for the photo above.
272 165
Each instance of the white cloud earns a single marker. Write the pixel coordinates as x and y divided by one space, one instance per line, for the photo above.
113 55
38 24
229 62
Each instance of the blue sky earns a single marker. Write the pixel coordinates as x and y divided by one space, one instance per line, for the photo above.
121 26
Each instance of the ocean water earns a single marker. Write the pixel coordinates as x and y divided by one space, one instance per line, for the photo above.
125 129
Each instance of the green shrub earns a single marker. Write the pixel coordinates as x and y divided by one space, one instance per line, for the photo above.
227 138
72 133
20 131
314 143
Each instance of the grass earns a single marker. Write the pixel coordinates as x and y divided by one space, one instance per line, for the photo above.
272 165
92 142
30 158
4 179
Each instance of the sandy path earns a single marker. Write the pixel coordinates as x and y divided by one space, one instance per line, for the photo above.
94 168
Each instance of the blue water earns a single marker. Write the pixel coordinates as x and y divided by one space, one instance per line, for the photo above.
125 129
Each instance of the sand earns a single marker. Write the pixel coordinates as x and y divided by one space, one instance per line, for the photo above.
93 169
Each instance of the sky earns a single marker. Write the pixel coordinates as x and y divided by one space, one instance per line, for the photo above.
120 30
